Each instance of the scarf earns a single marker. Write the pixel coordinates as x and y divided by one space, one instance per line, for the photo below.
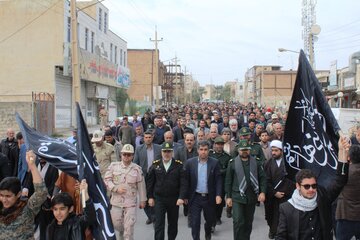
239 169
8 215
301 203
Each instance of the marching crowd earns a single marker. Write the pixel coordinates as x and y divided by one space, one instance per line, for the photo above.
205 157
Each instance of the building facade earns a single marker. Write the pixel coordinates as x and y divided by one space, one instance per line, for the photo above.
37 59
269 85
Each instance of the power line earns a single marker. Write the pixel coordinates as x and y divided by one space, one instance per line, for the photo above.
27 24
342 27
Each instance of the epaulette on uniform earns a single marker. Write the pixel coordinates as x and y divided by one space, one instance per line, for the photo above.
179 161
156 161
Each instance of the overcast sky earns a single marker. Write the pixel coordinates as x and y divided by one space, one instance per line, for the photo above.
218 41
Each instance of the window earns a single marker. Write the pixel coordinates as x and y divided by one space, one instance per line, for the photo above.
115 51
105 21
100 18
92 41
86 38
68 29
124 59
111 52
121 57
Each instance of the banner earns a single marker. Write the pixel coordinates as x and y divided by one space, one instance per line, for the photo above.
89 170
310 139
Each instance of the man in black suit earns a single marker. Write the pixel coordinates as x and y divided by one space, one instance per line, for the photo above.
166 190
144 156
205 186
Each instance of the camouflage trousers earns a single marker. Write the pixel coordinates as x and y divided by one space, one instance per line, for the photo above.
124 219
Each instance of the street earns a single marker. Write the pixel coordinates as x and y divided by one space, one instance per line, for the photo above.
222 232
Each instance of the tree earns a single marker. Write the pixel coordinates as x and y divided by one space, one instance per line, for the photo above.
121 98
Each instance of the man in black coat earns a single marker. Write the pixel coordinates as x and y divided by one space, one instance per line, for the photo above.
204 189
166 190
279 188
5 167
307 215
9 147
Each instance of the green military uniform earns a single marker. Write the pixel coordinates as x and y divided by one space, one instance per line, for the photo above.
223 159
256 150
244 204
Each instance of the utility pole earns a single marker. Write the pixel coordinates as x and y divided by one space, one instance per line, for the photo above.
177 83
185 79
157 70
76 84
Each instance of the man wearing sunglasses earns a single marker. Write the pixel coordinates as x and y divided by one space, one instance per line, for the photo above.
307 214
125 179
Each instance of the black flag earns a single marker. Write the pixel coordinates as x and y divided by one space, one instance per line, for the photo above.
59 153
310 139
89 170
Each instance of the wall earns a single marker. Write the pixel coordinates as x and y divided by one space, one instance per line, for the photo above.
30 54
7 115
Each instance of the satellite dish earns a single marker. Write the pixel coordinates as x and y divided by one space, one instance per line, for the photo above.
315 29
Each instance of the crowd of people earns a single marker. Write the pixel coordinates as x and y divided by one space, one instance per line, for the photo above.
204 157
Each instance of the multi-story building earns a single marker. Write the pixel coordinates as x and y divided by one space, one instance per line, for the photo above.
147 77
269 85
35 46
236 90
209 93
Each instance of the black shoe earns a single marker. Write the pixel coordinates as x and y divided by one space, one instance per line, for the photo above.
218 222
148 221
208 236
228 212
212 230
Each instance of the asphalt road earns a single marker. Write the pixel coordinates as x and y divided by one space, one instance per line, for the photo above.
222 232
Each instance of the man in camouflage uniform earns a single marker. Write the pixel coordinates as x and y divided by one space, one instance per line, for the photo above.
125 180
218 153
103 151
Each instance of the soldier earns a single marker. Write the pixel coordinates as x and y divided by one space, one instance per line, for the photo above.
125 180
166 190
245 184
218 153
103 151
256 149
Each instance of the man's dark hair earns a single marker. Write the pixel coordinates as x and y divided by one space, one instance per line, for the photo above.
19 136
354 153
304 173
203 143
62 198
188 130
11 184
252 113
264 131
108 133
252 120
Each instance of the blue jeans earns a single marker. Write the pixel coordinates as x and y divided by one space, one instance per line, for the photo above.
346 229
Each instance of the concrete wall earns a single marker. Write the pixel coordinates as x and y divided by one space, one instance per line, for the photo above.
29 53
7 115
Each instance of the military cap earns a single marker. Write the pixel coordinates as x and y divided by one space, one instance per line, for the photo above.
97 136
166 146
127 148
244 145
219 140
244 131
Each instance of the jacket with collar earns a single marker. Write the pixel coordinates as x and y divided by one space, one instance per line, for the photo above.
75 225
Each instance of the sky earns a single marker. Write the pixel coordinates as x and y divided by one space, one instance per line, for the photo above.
217 41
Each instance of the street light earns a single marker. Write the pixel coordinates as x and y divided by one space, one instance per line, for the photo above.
287 50
307 55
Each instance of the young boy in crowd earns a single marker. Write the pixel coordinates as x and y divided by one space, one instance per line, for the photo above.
67 225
